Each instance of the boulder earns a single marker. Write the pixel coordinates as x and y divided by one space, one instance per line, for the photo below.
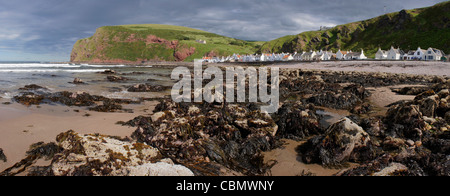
78 81
297 122
342 142
429 105
98 155
405 121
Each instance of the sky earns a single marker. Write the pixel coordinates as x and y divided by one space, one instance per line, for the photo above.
45 30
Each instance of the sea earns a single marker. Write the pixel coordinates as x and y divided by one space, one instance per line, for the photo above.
59 77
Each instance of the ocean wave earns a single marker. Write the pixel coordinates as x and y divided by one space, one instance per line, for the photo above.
52 70
38 65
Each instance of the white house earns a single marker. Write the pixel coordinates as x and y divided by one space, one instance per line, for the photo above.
328 55
298 56
395 54
419 54
340 55
319 56
355 56
309 56
410 55
433 54
381 54
288 57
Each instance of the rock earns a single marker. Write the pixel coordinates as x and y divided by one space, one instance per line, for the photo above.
342 142
147 88
97 155
297 122
429 120
444 93
74 99
429 105
392 170
109 71
31 87
29 99
116 78
393 143
158 169
3 156
405 121
78 81
410 143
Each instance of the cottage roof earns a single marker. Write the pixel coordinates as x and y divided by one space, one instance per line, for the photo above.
411 52
354 54
438 52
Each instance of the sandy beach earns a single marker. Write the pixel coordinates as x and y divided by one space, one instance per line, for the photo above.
397 67
21 126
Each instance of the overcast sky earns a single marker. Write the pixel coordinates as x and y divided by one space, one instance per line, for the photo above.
47 29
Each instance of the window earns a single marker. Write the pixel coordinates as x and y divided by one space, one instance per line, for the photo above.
429 52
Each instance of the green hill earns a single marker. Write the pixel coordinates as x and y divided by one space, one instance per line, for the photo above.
407 29
147 42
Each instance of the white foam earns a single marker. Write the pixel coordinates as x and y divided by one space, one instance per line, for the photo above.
37 65
53 70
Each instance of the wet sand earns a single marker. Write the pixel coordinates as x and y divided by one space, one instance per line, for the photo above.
383 96
21 126
288 163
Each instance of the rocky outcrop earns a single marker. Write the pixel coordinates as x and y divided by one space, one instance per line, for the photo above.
81 99
184 53
209 134
108 43
97 155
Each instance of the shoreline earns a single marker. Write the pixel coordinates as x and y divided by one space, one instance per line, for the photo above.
23 126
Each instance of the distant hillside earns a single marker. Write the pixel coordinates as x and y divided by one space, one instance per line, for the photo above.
407 29
154 42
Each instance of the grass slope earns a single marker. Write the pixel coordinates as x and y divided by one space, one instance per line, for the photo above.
407 29
113 43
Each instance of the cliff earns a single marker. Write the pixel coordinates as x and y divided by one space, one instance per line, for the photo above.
407 29
152 42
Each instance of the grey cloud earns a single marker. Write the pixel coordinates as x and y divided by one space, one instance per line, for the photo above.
49 28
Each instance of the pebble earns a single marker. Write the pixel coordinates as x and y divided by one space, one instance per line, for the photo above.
418 143
410 143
